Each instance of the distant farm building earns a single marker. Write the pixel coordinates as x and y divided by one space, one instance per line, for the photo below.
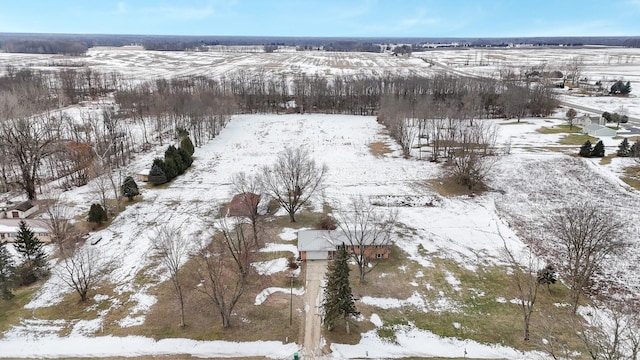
245 204
597 130
9 229
322 245
20 211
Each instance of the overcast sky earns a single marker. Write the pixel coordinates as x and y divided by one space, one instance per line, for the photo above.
349 18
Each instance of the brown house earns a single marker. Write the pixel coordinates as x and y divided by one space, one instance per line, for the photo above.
322 245
245 204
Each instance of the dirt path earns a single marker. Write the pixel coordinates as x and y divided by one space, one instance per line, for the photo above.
315 273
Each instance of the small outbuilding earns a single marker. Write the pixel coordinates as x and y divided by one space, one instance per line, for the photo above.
21 211
143 175
597 130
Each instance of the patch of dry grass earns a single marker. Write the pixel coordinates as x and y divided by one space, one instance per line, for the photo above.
632 176
448 187
577 139
559 129
379 149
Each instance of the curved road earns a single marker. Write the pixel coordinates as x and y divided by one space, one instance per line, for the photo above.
316 270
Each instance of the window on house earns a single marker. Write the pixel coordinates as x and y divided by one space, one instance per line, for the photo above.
379 256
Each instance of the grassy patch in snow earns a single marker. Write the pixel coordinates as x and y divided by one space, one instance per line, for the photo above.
448 187
12 310
577 139
379 148
607 159
559 129
478 308
632 176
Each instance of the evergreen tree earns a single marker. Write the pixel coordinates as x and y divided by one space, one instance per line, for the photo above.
338 299
598 150
187 145
186 157
635 149
97 214
170 168
624 149
30 248
586 149
7 272
156 174
130 188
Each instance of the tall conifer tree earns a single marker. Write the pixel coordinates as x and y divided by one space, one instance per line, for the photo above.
338 299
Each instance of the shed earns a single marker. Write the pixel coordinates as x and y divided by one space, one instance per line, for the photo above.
596 130
143 175
21 211
245 204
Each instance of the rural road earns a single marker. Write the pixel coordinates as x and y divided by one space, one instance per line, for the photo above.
313 298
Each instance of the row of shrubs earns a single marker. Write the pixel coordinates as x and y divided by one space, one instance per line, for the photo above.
624 149
175 162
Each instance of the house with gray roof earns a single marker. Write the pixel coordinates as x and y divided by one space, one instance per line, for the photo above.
597 130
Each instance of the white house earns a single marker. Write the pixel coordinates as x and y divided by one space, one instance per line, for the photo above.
597 130
586 120
9 229
21 211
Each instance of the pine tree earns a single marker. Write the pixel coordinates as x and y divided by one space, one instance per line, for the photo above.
624 150
338 299
97 214
30 248
157 175
130 188
586 149
635 149
187 145
598 150
7 272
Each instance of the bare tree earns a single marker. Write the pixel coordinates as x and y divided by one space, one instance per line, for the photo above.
80 270
472 159
293 179
250 189
611 333
28 141
224 268
525 269
365 228
571 115
587 236
59 225
172 250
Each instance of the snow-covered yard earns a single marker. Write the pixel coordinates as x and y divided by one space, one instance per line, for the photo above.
526 186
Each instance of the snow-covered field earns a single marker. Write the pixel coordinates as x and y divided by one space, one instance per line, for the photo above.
469 231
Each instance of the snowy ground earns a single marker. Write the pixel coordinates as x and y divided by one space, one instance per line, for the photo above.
467 230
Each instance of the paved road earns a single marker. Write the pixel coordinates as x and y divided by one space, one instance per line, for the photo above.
316 270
